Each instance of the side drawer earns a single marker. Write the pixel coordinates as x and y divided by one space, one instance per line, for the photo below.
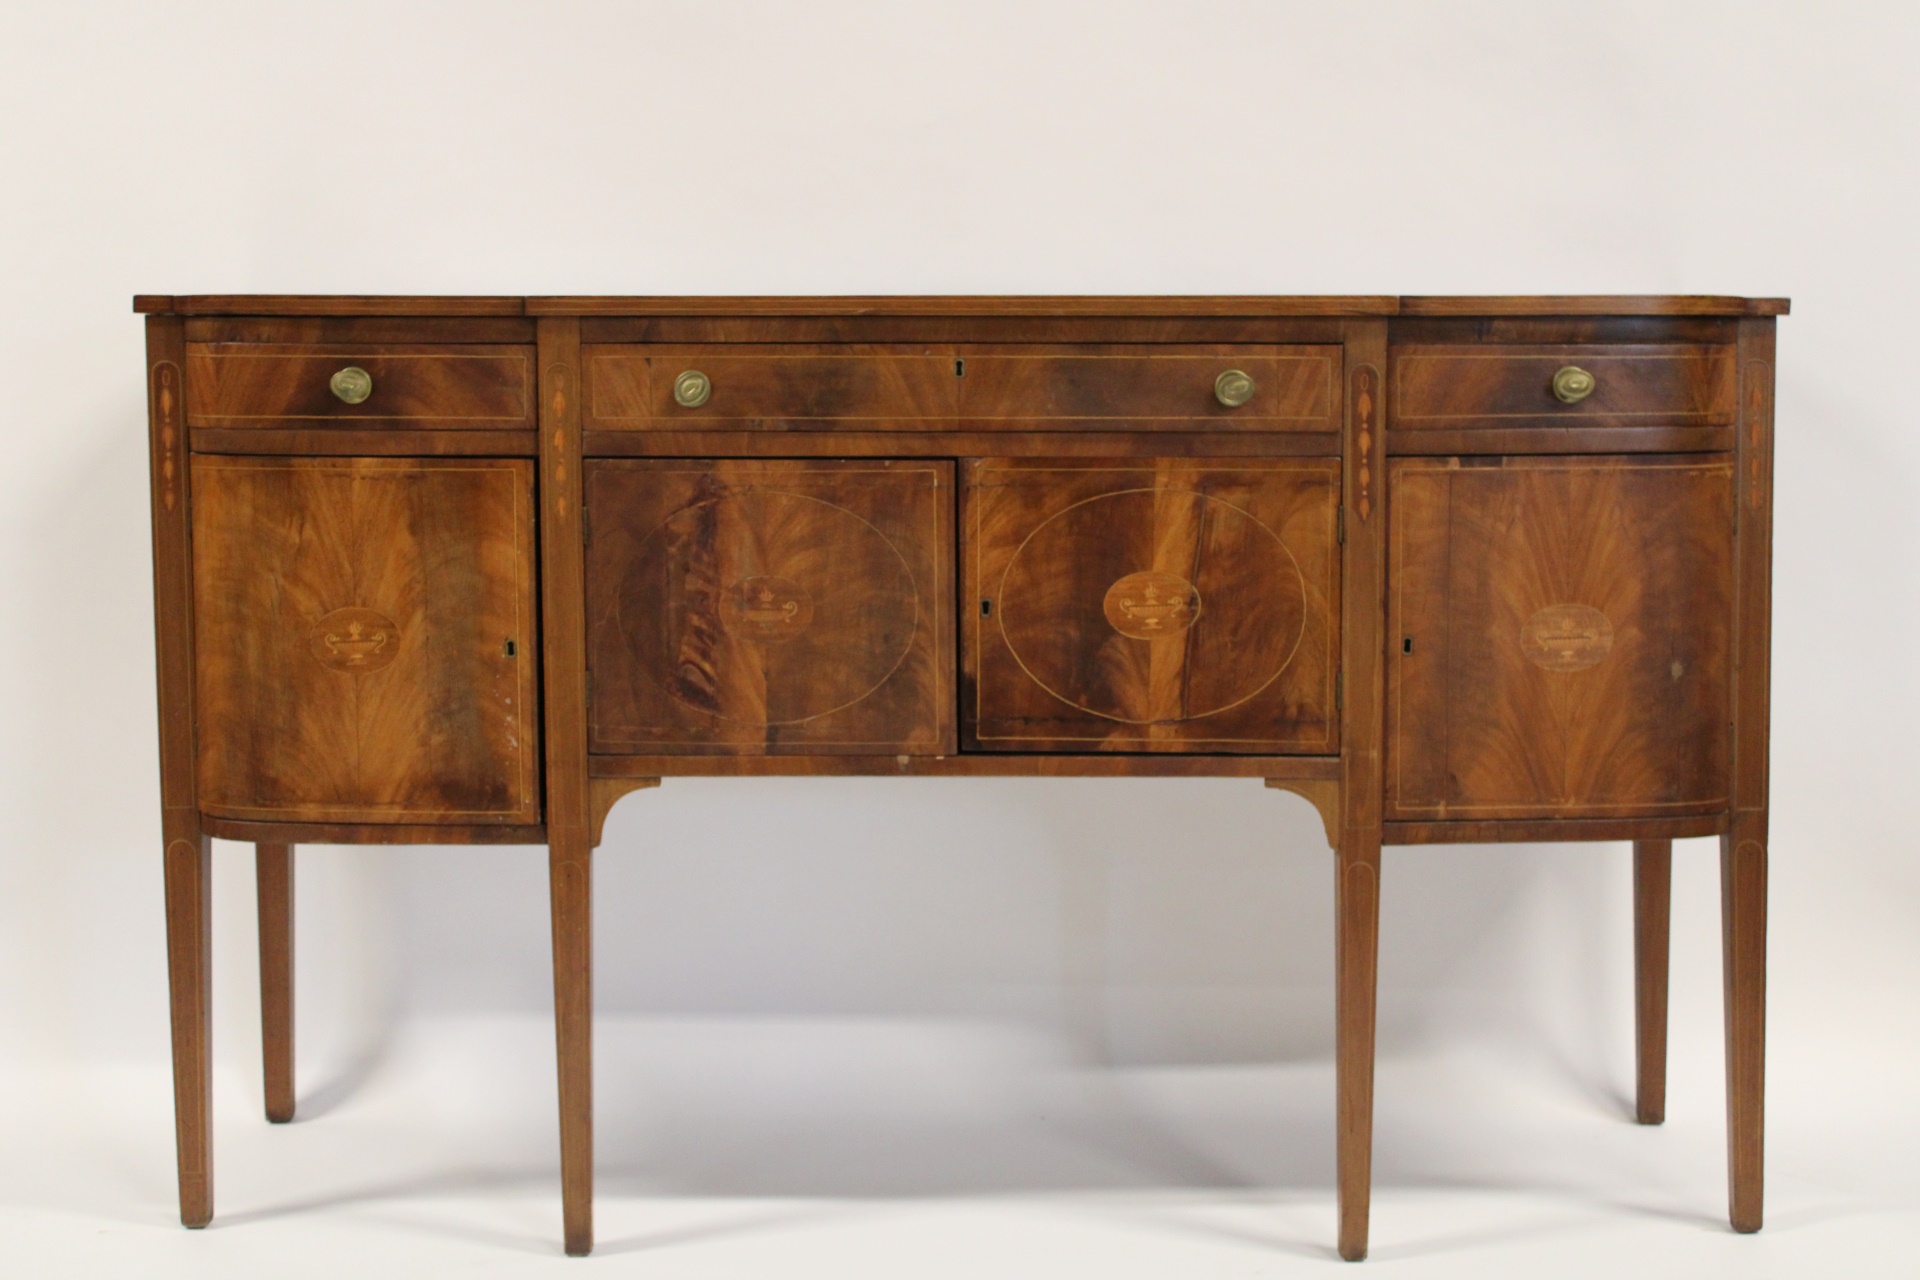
769 385
449 387
1449 388
1140 387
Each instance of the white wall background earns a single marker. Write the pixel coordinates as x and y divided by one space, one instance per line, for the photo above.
981 147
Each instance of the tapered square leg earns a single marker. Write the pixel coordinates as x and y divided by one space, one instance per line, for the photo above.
1355 985
1652 912
273 874
1743 921
570 870
189 980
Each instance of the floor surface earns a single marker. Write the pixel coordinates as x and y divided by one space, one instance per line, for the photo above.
887 1148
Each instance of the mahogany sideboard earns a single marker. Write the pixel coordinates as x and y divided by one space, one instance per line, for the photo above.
450 570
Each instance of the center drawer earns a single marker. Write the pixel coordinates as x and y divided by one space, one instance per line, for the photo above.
968 387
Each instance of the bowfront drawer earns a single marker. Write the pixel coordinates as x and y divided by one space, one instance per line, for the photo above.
1449 388
1150 387
769 385
448 387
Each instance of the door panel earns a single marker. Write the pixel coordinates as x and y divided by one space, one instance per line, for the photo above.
365 639
770 607
1153 605
1559 637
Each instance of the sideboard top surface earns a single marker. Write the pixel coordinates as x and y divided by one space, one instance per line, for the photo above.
216 304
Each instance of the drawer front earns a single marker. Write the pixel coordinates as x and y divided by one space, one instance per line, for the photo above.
1030 387
1151 605
1559 638
774 385
1145 388
366 641
766 607
1454 387
452 387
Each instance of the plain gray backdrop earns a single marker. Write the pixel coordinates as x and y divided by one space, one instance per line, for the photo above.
963 148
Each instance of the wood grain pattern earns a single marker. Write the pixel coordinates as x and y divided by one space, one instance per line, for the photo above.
1652 911
1160 387
986 305
973 765
450 833
1562 439
854 443
1025 330
359 330
309 304
273 884
189 891
1743 849
1551 830
1243 662
183 842
378 442
1456 387
771 607
451 387
367 640
996 307
1490 562
771 386
569 820
1357 854
1591 305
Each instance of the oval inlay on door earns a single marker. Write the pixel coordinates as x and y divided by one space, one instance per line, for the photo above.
769 608
1188 637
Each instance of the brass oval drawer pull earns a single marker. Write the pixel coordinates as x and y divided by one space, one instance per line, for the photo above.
1233 388
1573 384
352 384
692 389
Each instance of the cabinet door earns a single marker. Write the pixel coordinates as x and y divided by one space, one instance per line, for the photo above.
1559 637
364 638
1152 605
756 607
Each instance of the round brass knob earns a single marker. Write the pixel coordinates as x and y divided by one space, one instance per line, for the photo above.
1233 388
691 389
352 384
1573 384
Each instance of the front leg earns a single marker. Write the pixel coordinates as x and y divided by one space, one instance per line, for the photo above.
570 869
1652 912
189 981
1743 923
273 873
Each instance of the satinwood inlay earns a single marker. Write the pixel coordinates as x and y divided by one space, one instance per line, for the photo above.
1151 605
355 640
1567 637
767 608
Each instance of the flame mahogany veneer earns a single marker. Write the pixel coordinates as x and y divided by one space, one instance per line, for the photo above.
466 570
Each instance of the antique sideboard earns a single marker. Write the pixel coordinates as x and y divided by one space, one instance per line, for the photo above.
452 570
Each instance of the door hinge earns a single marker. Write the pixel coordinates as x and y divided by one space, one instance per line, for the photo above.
1340 524
586 526
1339 692
589 688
